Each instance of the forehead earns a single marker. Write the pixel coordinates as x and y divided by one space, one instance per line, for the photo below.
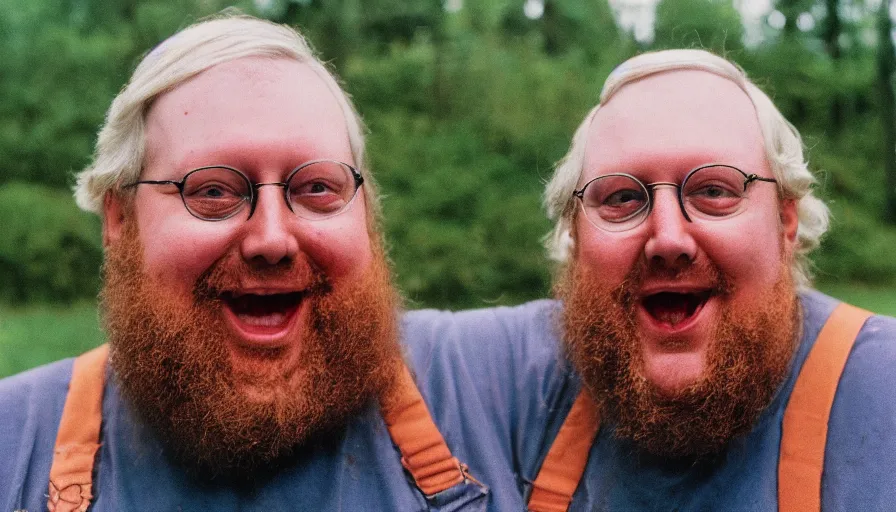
244 113
675 121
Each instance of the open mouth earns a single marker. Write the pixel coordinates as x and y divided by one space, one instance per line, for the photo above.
673 308
263 312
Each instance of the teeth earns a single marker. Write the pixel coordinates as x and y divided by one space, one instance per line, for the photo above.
269 320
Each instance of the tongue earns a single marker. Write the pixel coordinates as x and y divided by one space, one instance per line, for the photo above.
671 314
671 308
265 311
269 320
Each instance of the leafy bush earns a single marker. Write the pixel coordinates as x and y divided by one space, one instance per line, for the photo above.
858 249
50 251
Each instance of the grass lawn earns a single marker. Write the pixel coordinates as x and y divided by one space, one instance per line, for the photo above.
878 300
37 335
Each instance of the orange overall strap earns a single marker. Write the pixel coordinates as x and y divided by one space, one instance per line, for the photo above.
565 463
423 450
71 475
805 428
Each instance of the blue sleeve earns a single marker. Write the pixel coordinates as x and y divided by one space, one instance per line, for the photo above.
494 376
860 456
30 408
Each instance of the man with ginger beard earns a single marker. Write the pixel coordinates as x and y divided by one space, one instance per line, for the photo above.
698 377
685 367
253 359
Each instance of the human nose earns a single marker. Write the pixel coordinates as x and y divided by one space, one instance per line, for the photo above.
670 244
270 231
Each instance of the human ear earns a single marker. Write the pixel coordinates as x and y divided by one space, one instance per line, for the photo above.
789 223
113 218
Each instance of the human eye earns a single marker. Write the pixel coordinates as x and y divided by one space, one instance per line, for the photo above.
215 193
316 188
624 198
615 198
622 205
214 183
321 188
319 197
715 191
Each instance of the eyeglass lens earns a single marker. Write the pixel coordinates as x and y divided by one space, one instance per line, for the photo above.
314 191
321 189
215 192
617 202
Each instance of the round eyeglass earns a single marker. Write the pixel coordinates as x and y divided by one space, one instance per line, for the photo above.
619 201
314 190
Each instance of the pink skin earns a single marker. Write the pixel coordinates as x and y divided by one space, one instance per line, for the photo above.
264 117
658 129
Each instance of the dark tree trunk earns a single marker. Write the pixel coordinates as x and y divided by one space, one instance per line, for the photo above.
550 26
833 27
439 43
886 66
790 9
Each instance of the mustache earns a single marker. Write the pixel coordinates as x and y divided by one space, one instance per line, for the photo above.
701 270
232 272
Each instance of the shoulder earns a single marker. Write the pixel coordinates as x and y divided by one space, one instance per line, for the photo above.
869 377
874 351
37 389
875 345
498 370
508 317
861 448
870 371
526 327
495 346
30 407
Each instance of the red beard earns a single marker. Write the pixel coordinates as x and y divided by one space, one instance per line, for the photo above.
748 358
217 418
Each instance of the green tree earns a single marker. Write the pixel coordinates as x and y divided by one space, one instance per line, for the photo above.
709 24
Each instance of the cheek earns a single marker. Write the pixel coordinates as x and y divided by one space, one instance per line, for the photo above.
340 246
747 250
344 247
339 249
179 250
613 255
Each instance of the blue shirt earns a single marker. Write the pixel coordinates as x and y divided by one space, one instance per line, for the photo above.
532 378
498 387
360 471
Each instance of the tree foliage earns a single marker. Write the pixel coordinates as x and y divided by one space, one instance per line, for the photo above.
50 250
709 24
468 109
